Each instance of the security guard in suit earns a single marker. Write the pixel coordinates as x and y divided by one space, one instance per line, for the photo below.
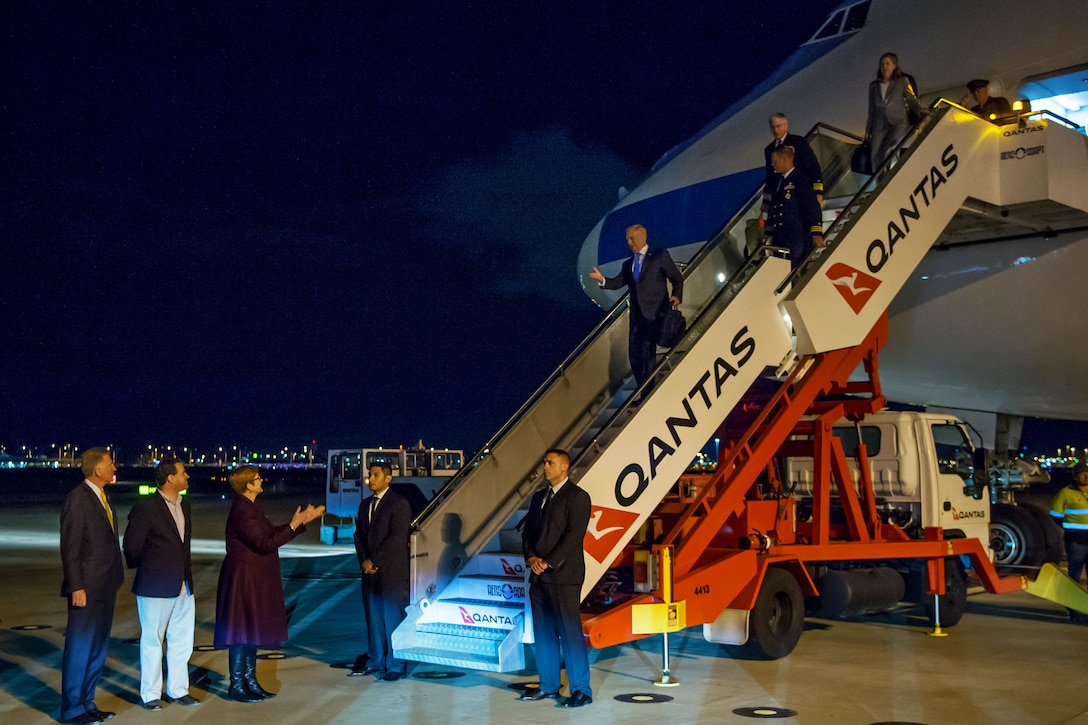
794 219
554 528
381 544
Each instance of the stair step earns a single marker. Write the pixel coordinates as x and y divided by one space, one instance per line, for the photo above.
455 646
462 630
443 657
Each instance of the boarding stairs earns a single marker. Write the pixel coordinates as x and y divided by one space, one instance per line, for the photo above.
469 590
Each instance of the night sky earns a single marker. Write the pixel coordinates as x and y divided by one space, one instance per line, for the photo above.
266 223
355 223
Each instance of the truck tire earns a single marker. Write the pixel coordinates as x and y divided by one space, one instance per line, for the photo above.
953 603
1052 533
777 619
1016 538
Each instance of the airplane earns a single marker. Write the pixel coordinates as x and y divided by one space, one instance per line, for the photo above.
990 325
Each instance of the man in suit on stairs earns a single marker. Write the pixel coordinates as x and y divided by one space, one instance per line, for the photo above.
648 274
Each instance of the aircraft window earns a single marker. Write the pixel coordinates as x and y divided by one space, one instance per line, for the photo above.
831 27
870 436
855 18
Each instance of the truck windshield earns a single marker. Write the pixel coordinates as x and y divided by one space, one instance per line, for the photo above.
953 450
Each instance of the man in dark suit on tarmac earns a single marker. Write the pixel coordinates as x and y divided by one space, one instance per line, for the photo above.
93 573
551 541
381 543
794 221
157 544
647 275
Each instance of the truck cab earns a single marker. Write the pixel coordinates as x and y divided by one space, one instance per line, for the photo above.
923 471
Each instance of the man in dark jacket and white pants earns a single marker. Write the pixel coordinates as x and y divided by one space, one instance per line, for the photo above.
552 543
158 545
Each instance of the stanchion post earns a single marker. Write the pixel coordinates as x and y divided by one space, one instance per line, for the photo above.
665 569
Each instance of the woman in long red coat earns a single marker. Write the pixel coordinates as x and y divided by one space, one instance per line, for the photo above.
249 608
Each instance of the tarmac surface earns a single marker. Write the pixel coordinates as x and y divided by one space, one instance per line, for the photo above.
1012 659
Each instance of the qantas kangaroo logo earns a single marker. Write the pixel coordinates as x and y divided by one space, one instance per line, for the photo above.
465 616
855 287
509 570
606 527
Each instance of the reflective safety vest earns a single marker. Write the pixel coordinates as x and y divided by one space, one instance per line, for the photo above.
1070 507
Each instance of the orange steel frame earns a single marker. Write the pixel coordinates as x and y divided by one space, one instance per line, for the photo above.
711 573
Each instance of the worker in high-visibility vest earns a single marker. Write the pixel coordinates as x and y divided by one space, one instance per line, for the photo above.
1070 510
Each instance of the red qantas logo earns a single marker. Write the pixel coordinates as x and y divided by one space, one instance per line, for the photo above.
855 287
507 569
606 528
465 616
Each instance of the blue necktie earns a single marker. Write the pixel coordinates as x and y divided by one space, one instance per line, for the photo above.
637 266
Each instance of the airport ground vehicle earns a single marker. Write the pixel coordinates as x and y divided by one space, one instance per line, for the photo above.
418 474
907 470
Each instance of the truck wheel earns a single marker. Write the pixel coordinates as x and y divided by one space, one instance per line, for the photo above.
1052 533
953 602
1016 538
778 617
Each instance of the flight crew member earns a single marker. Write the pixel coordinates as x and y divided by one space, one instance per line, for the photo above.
647 276
794 220
157 544
1070 510
551 541
382 529
985 104
93 573
803 158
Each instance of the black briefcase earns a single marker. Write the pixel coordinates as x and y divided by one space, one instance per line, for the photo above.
673 327
862 160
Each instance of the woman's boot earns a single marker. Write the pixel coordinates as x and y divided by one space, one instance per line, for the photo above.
239 691
250 675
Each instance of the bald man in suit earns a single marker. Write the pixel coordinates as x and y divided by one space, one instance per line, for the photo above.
93 572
